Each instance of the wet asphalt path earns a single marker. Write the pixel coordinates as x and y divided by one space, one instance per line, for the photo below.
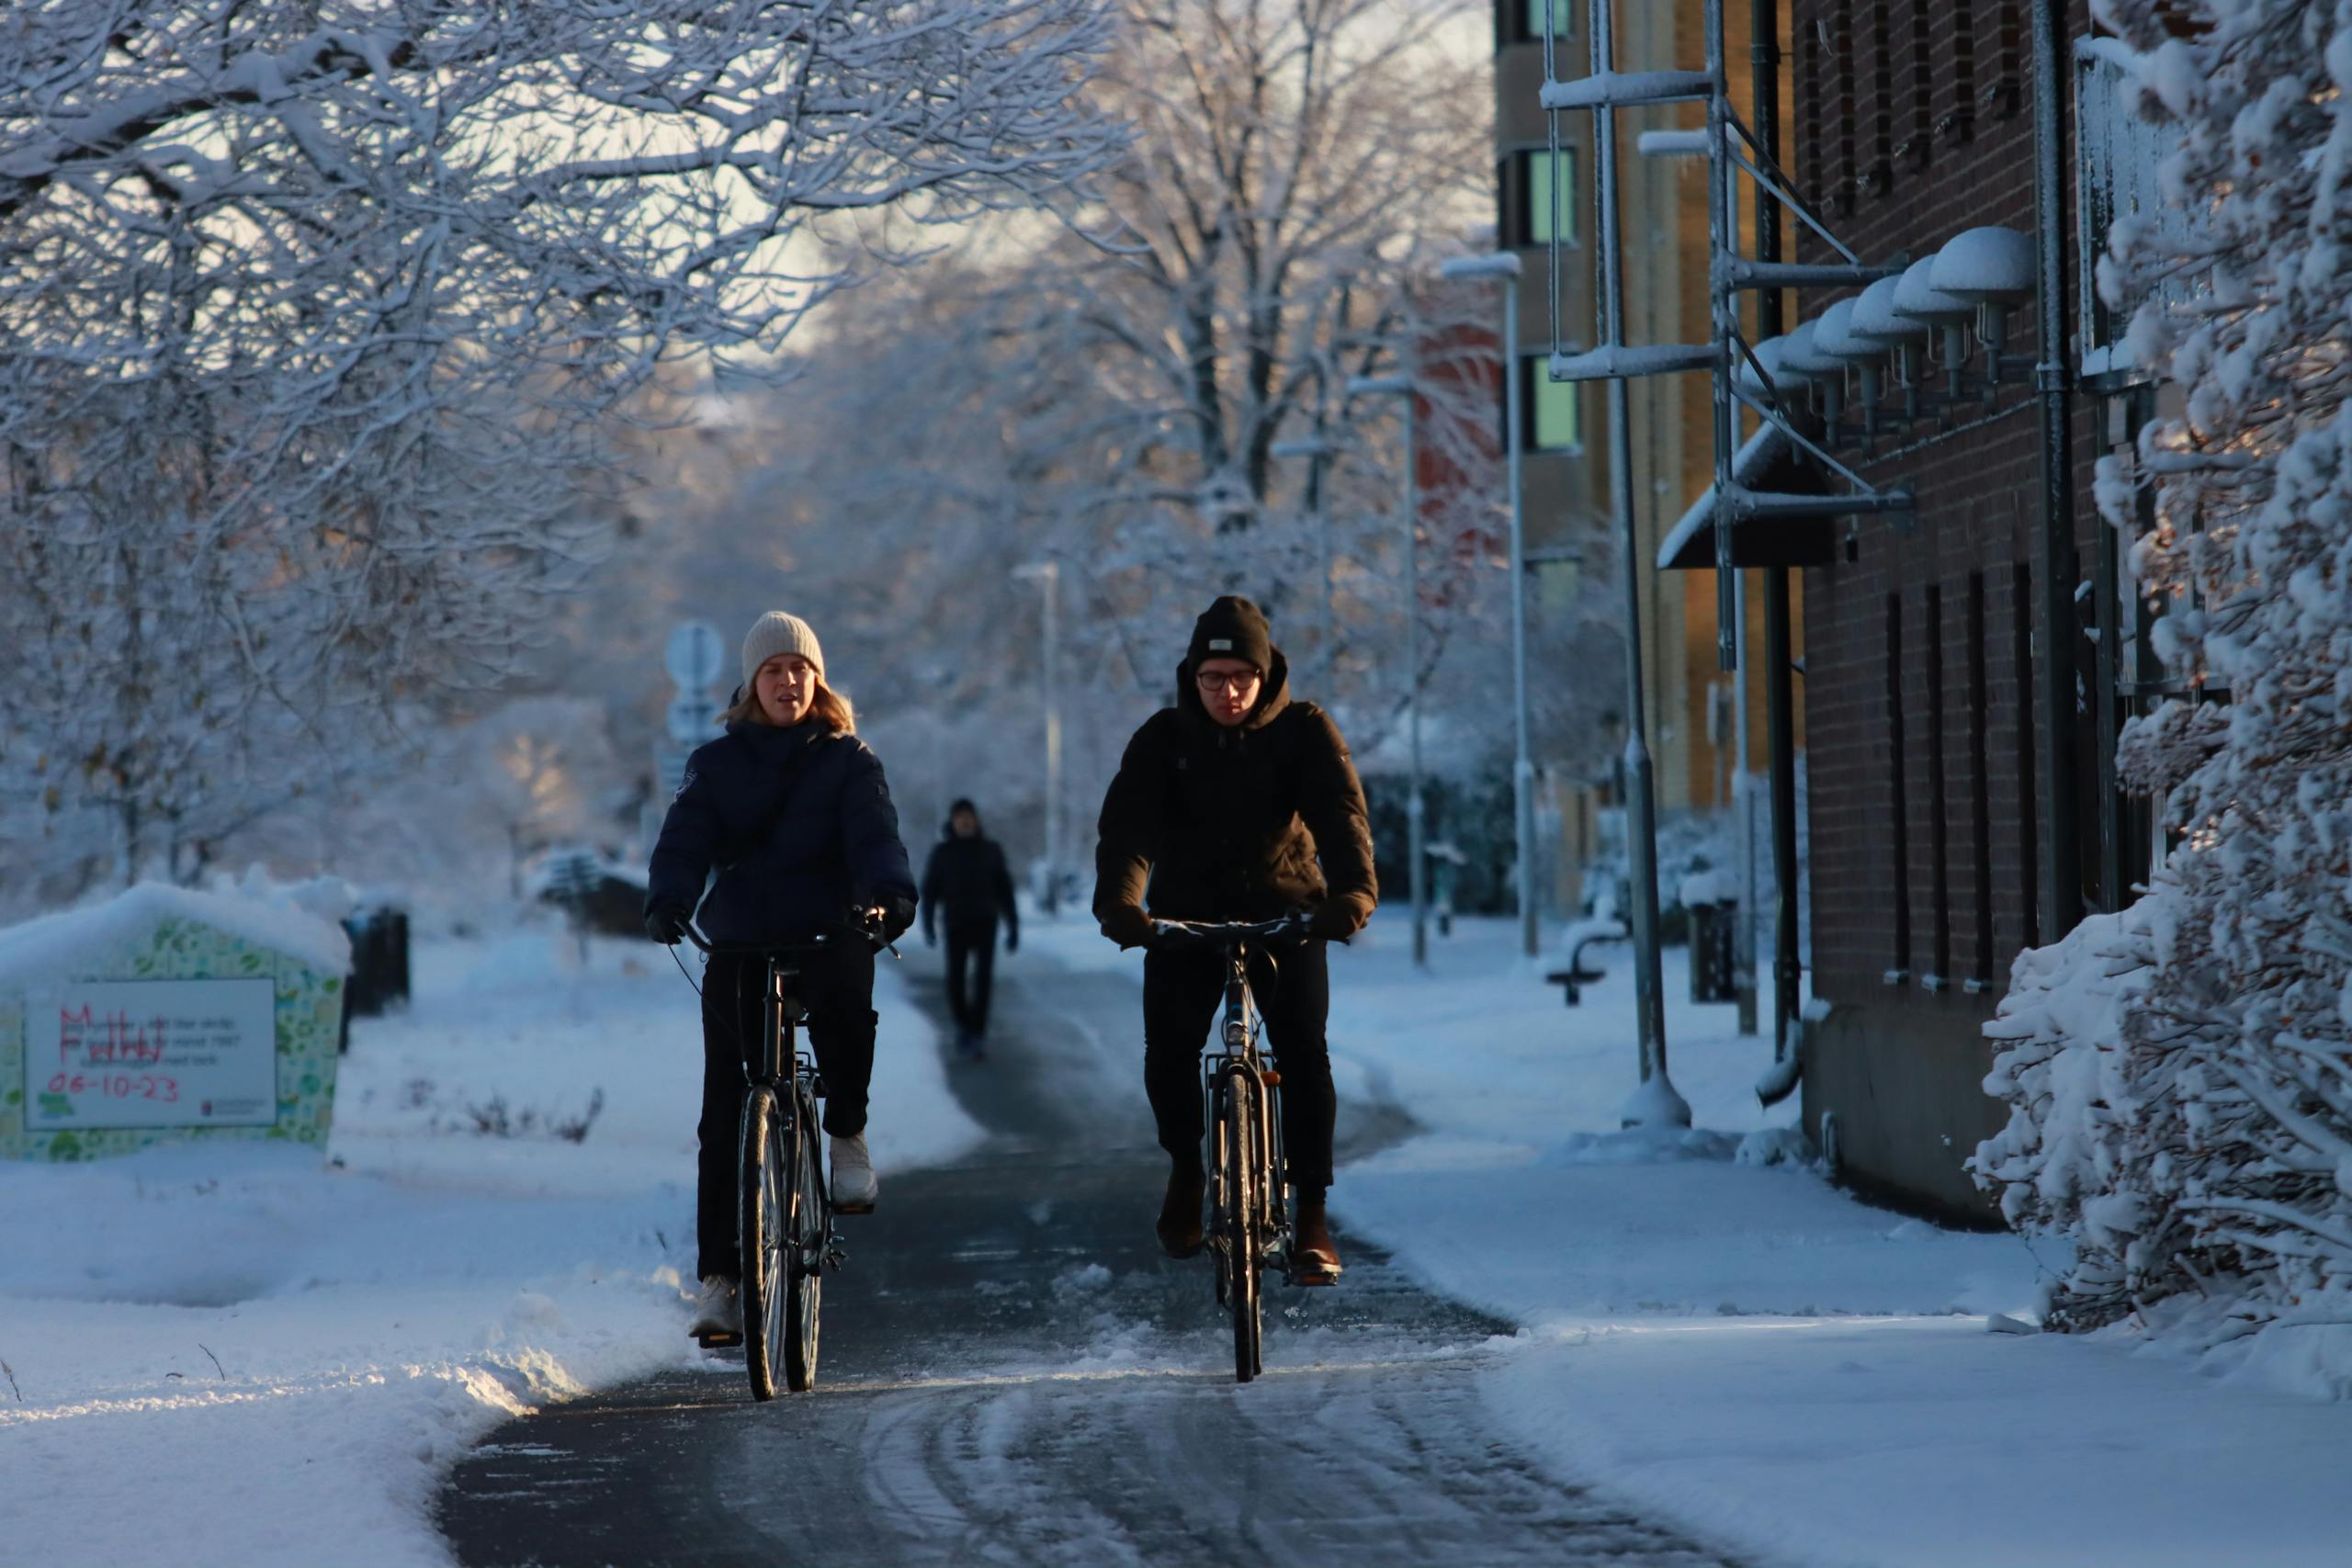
1010 1373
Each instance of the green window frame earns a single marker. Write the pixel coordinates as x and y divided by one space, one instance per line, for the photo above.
1521 21
1554 410
1533 222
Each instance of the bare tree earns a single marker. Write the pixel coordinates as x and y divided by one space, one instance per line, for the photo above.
310 312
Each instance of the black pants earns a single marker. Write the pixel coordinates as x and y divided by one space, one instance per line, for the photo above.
1184 994
975 945
838 990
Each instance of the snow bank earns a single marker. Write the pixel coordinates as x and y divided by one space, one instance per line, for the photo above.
86 938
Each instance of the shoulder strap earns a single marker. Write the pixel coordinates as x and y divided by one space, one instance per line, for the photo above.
788 778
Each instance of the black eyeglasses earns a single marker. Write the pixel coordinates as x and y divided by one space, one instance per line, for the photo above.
1240 681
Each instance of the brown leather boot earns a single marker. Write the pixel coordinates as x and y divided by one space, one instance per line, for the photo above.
1315 1257
1179 1213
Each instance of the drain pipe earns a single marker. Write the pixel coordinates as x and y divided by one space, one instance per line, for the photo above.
2061 894
1780 1081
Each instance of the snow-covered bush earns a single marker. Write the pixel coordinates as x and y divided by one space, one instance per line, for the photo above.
2181 1074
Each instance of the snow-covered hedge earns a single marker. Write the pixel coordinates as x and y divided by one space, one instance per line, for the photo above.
2181 1074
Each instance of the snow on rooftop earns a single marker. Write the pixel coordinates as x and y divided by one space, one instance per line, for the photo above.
58 943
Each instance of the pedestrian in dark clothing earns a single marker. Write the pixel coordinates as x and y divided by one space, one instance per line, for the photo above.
793 811
1238 804
966 887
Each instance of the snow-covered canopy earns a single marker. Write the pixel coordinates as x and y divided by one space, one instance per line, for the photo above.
1878 319
1917 296
1800 357
1991 264
1835 337
1755 455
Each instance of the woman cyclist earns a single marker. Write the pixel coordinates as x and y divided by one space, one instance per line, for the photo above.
792 811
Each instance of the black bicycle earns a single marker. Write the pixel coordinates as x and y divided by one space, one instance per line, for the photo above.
786 1223
1249 1227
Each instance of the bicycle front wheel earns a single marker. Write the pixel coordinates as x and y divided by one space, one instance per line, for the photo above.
1242 1180
763 1234
804 1254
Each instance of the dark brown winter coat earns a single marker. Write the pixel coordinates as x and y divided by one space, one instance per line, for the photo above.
1206 823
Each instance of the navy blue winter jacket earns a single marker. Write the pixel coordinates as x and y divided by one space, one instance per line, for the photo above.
836 848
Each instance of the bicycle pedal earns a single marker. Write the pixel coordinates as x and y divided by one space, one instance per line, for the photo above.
719 1341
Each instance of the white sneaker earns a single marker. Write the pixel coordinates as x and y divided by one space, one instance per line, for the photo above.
719 1310
854 1184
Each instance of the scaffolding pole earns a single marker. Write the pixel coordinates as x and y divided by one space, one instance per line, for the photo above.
1732 152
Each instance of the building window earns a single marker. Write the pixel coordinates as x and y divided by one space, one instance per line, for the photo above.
1898 795
1878 177
1980 783
2021 669
1521 21
1540 204
1554 410
1939 831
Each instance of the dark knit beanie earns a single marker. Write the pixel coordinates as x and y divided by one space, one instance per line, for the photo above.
1232 628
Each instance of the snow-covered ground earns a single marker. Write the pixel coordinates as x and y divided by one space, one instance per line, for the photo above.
1807 1379
1723 1337
235 1355
289 1354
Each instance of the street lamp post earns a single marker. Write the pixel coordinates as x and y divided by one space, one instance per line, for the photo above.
1415 807
1048 574
1315 449
1503 267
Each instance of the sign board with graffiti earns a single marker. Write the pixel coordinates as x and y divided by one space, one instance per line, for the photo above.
167 1015
152 1054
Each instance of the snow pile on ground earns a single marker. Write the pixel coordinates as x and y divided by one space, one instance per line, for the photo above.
1713 1331
290 1350
297 919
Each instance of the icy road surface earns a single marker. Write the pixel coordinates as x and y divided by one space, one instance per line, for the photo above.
1010 1373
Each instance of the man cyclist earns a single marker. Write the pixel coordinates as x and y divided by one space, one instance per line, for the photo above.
1220 810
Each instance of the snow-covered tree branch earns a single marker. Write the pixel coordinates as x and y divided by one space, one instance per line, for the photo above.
312 315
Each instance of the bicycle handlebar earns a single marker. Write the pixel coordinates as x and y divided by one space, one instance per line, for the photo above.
1221 934
822 943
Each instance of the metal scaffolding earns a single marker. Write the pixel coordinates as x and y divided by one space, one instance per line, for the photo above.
1741 380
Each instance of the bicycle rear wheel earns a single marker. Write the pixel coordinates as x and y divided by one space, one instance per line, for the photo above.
762 1234
804 1254
1238 1216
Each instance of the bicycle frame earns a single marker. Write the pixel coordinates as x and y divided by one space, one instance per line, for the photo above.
1235 1050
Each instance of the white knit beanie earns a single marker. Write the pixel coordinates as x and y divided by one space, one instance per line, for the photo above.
775 633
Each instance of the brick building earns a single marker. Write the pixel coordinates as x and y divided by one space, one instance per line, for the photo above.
1924 687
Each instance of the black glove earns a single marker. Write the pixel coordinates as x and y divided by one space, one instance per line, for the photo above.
898 917
1013 942
1128 925
929 937
1334 919
666 925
